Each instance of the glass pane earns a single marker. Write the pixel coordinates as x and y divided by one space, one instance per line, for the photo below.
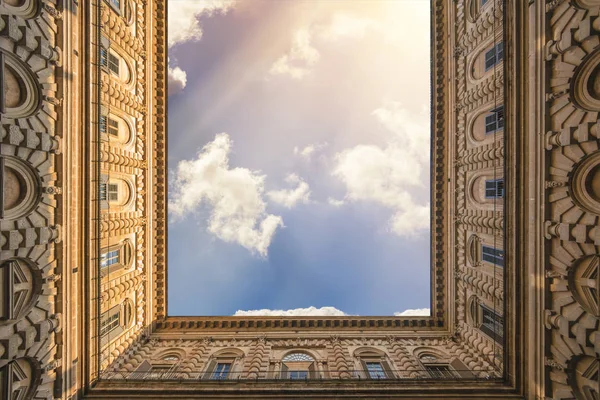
375 370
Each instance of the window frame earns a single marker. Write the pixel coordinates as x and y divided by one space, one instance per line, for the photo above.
497 188
494 120
496 256
496 330
114 63
493 56
381 373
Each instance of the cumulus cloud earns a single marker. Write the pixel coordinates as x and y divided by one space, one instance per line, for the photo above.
308 151
335 202
235 195
303 55
177 80
297 63
416 312
290 197
387 175
296 312
184 24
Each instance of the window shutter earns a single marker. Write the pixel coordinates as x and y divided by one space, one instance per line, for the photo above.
389 373
461 369
312 371
284 371
209 369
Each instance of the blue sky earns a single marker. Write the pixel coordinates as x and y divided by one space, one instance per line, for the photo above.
298 157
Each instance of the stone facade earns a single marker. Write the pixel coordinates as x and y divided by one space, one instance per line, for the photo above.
515 221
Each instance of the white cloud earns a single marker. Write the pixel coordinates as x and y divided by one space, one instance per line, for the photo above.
235 195
387 175
290 197
296 312
335 202
183 17
177 80
417 312
298 62
344 25
308 151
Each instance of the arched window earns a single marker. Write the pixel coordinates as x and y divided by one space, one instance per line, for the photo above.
114 63
298 366
19 184
20 95
586 376
116 257
487 319
23 8
18 380
374 363
437 367
19 287
116 321
584 281
115 193
223 365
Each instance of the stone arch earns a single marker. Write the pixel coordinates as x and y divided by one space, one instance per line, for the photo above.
298 364
22 93
172 355
20 286
584 377
23 8
20 379
476 65
117 257
375 363
21 187
117 192
584 282
476 193
585 182
473 250
476 134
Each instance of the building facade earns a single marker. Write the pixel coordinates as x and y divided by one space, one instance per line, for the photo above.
515 238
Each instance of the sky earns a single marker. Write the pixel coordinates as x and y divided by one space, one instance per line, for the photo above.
298 157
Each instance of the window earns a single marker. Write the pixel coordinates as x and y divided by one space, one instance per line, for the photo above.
492 324
103 57
375 370
110 258
116 5
109 323
102 192
494 121
113 192
494 188
494 56
484 2
441 371
492 255
113 127
113 63
102 123
298 374
221 371
298 366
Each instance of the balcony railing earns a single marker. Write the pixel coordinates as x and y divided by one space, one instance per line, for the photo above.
313 376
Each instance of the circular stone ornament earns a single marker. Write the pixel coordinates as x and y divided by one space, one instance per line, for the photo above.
585 184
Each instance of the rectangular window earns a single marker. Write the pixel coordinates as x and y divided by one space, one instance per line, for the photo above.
113 127
483 2
375 370
102 191
494 188
492 255
298 374
113 63
441 372
492 324
110 323
103 57
494 56
102 123
221 371
494 121
109 258
113 192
